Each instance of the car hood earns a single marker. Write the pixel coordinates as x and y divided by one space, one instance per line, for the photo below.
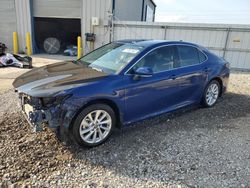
51 79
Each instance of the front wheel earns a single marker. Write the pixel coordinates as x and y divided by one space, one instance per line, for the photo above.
211 94
94 125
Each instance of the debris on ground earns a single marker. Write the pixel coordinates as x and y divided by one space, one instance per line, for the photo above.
13 60
70 51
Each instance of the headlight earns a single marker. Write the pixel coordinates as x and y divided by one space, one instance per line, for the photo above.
33 101
53 101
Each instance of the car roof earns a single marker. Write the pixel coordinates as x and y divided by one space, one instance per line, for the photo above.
149 43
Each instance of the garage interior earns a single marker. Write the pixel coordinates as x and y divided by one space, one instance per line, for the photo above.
54 35
56 25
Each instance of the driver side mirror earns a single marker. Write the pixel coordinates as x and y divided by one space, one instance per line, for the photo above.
143 72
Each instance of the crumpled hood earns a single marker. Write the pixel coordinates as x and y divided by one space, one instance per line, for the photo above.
48 80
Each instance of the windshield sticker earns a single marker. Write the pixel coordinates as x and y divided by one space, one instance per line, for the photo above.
132 51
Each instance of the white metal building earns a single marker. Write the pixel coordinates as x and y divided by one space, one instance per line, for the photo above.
230 41
18 15
44 18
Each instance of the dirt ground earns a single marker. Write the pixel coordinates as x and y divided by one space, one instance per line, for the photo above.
193 147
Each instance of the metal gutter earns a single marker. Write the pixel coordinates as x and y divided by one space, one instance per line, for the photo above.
142 13
152 1
226 43
211 28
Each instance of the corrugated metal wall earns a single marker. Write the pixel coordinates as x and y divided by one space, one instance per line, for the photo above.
100 9
15 16
230 41
238 48
7 21
122 7
57 8
23 16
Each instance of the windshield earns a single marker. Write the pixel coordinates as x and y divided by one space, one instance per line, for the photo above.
111 58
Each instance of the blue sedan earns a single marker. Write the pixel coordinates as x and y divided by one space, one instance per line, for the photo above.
118 84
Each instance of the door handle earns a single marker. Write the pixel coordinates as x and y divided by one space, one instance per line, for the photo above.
173 77
206 69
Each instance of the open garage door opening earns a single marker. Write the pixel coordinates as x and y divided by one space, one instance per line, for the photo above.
55 35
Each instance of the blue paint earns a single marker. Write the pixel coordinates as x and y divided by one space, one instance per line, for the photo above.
135 99
151 96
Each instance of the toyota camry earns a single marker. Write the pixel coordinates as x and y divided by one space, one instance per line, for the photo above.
118 84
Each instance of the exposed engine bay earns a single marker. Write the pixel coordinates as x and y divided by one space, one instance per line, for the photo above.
38 111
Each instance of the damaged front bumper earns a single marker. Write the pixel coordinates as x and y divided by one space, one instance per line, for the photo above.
36 114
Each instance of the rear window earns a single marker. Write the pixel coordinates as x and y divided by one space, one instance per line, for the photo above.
202 57
188 56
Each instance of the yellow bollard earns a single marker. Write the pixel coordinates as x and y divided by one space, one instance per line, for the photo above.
79 47
15 43
28 44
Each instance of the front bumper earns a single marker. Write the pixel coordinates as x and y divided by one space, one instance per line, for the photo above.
36 116
60 114
36 126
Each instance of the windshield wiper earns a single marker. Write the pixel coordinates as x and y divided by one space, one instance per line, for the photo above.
74 61
79 62
99 70
94 68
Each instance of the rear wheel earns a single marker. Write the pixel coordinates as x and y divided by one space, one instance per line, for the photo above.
211 94
94 125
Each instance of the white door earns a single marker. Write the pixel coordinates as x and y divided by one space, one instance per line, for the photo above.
57 8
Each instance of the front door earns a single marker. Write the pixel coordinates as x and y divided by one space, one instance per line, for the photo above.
152 95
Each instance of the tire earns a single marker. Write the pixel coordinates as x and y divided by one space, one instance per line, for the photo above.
211 94
89 131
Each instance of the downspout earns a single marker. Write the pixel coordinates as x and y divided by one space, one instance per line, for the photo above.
142 12
113 6
165 32
226 42
154 13
111 39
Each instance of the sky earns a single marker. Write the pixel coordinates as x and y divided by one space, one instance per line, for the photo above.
200 11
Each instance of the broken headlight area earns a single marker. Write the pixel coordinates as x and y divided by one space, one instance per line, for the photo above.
42 110
32 101
48 102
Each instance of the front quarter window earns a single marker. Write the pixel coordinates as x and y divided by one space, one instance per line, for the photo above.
111 58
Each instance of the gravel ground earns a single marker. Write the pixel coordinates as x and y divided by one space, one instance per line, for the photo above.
193 147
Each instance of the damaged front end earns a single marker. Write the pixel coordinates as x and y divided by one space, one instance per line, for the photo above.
42 110
47 93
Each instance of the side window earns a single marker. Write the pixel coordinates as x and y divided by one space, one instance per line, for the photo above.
202 57
188 56
161 59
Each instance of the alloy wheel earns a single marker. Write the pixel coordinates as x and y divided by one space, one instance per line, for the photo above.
212 94
95 126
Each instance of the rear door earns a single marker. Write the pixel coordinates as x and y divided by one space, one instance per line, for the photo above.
191 74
